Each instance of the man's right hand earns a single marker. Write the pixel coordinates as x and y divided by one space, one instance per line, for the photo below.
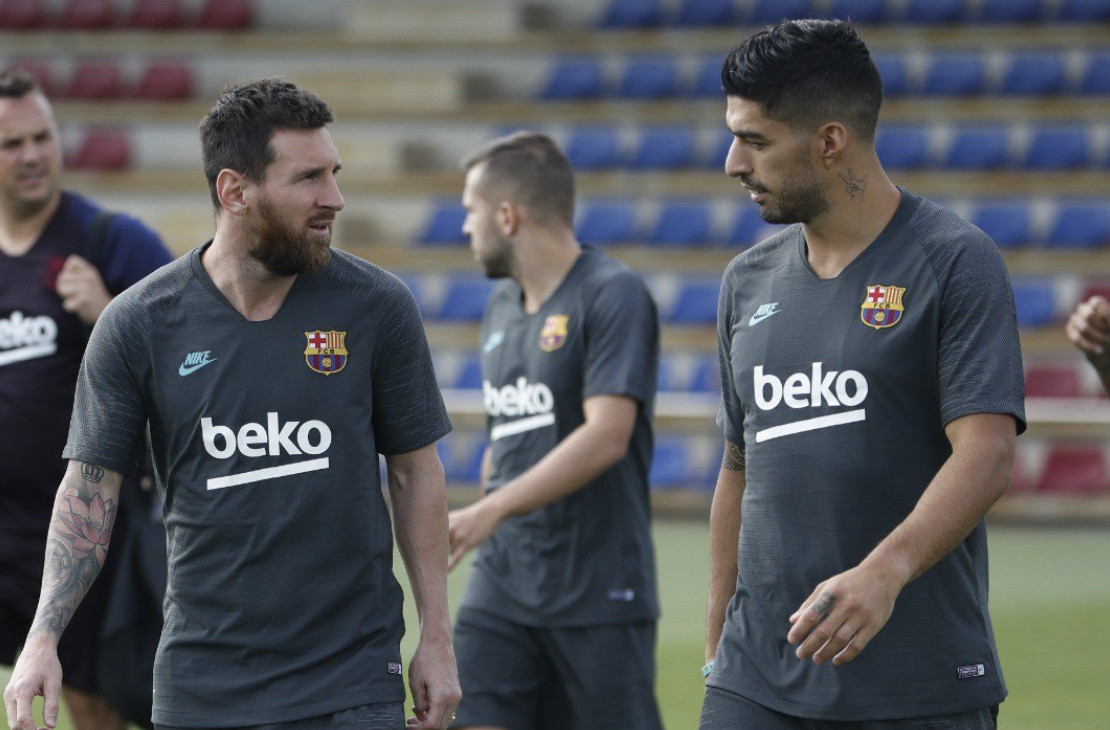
1088 329
37 673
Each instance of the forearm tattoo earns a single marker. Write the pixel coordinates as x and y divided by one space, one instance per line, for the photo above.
854 185
75 548
734 457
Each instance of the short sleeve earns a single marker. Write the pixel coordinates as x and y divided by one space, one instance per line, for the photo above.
135 250
730 413
622 340
408 406
979 354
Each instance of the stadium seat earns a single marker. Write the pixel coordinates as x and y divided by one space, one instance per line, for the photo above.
469 375
623 14
1091 290
1059 148
706 13
934 12
892 69
225 15
649 77
609 221
664 148
95 80
1039 73
39 69
718 153
1074 470
954 74
978 148
670 465
165 81
682 223
156 15
465 299
1096 75
1052 382
696 302
748 228
22 14
707 376
1011 11
594 148
87 15
859 11
707 82
1008 222
903 146
102 149
574 78
1081 225
445 224
1084 11
769 12
1035 302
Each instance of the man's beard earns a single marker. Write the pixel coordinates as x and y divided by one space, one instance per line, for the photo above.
800 200
498 263
281 249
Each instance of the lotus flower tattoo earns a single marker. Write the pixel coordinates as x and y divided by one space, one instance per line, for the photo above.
87 525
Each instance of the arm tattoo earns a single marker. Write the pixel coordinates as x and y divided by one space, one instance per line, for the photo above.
734 457
75 549
854 185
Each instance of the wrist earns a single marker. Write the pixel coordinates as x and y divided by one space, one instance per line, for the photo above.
707 669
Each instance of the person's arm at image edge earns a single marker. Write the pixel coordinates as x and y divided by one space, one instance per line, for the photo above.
724 535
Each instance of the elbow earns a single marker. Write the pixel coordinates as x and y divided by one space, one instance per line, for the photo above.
614 448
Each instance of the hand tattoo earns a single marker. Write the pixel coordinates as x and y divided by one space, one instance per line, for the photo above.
854 185
823 604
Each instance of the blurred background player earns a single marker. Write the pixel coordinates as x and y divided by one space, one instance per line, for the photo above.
872 392
273 371
557 625
50 295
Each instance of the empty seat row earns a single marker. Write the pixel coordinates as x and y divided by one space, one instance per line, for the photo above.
94 15
103 79
629 14
945 74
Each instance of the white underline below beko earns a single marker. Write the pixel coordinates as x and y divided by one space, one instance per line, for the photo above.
811 424
27 353
273 472
521 426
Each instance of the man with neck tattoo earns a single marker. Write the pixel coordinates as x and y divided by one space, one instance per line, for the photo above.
872 393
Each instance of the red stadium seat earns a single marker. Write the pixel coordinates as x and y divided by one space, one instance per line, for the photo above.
1023 481
226 15
1058 381
1075 470
165 81
87 15
22 14
103 149
95 80
156 15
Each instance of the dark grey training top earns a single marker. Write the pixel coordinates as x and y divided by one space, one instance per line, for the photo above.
586 559
839 390
281 601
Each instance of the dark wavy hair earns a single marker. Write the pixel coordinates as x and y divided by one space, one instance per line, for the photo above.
805 73
236 133
533 167
17 84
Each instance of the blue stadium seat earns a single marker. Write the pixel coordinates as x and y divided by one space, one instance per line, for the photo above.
1035 73
934 12
769 12
1081 225
859 11
1008 222
707 375
706 13
632 14
670 466
892 69
718 153
664 148
649 77
682 223
1084 11
607 221
1035 301
1096 76
574 78
978 148
465 299
461 455
414 284
470 373
1012 11
749 229
903 146
594 148
1059 148
707 82
955 74
696 302
445 224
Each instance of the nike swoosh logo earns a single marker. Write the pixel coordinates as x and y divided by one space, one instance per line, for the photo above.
757 317
186 369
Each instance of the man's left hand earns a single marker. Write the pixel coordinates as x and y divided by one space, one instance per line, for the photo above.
82 290
434 681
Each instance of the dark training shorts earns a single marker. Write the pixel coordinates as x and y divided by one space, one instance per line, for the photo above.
377 716
561 678
723 710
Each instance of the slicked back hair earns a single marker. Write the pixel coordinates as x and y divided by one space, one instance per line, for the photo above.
236 133
536 172
17 84
805 73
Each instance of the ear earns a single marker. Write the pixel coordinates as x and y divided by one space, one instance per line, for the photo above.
832 141
508 217
233 191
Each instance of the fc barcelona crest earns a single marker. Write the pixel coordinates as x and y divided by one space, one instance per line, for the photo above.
882 307
554 332
326 352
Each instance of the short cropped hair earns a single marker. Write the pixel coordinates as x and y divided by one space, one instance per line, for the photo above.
537 172
17 84
236 133
805 73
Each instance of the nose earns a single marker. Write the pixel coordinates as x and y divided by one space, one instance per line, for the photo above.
737 162
331 197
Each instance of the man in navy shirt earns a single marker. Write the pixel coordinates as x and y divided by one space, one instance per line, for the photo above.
50 294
